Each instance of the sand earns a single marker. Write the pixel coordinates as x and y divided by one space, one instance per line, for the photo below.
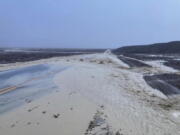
99 95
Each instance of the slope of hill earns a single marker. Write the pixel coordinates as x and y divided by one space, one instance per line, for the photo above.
158 48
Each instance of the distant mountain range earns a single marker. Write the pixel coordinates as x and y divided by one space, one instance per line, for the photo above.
158 48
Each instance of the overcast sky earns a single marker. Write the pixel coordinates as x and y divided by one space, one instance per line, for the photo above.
88 23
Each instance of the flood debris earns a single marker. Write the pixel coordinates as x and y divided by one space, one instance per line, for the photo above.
28 100
13 125
29 123
101 62
56 115
81 60
33 108
44 112
102 106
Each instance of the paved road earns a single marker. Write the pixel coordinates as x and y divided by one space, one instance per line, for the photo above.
22 85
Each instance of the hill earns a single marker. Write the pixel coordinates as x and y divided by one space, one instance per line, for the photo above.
158 48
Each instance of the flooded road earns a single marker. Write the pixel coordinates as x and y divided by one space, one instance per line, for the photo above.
23 85
17 76
168 84
133 62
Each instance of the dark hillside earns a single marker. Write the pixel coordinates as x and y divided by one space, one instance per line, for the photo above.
159 48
